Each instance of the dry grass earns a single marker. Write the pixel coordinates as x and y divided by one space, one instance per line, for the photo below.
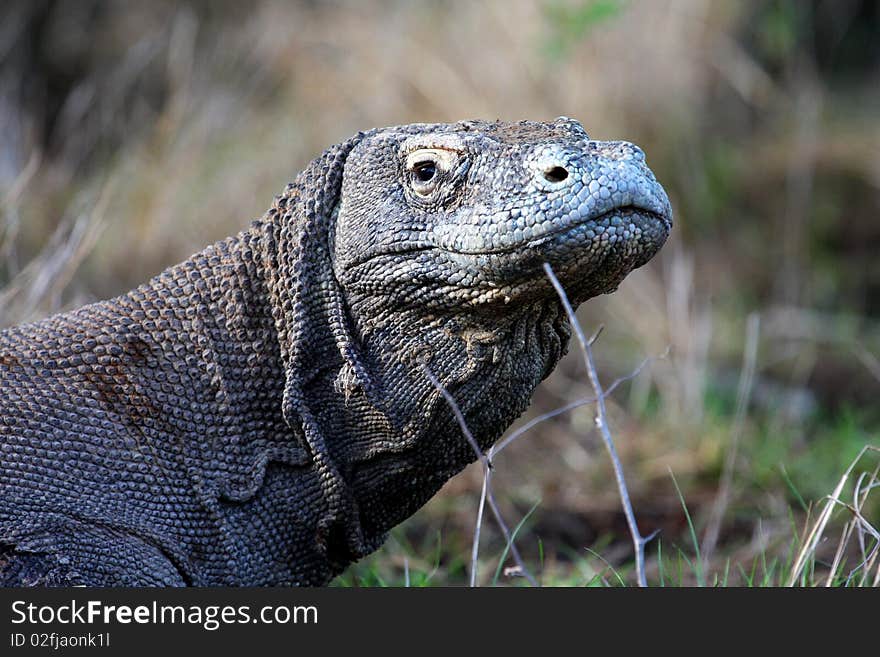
858 529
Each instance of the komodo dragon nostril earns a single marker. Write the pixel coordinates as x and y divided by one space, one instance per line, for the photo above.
556 174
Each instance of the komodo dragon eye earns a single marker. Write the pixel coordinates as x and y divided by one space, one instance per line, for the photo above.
424 170
425 166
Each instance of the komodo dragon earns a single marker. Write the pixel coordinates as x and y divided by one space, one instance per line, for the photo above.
263 413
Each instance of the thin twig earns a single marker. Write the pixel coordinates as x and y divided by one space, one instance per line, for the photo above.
475 549
508 537
577 403
487 470
639 541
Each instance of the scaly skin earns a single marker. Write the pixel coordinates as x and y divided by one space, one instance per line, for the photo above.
261 413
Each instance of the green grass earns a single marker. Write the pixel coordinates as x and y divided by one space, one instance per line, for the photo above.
791 560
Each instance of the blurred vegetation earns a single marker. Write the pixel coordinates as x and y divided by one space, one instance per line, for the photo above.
136 133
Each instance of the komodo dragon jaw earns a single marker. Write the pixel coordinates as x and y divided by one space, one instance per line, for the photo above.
262 413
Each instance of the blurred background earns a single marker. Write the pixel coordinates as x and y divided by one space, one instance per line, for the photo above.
133 134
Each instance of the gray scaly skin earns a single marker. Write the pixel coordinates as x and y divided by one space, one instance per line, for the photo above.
262 413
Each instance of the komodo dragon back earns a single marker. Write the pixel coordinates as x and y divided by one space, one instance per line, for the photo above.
263 413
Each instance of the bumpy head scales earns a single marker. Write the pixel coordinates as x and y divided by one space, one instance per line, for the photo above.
465 214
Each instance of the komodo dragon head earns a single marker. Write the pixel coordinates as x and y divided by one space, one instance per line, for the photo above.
462 217
421 258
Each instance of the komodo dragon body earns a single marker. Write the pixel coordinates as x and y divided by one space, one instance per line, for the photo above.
263 413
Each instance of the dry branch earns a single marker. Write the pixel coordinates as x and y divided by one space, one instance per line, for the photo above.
639 541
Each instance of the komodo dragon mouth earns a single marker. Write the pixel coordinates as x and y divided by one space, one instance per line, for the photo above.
622 223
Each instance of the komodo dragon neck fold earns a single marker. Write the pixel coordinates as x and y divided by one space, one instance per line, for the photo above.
261 413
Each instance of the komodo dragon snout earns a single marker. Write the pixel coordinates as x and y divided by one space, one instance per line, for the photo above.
265 411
